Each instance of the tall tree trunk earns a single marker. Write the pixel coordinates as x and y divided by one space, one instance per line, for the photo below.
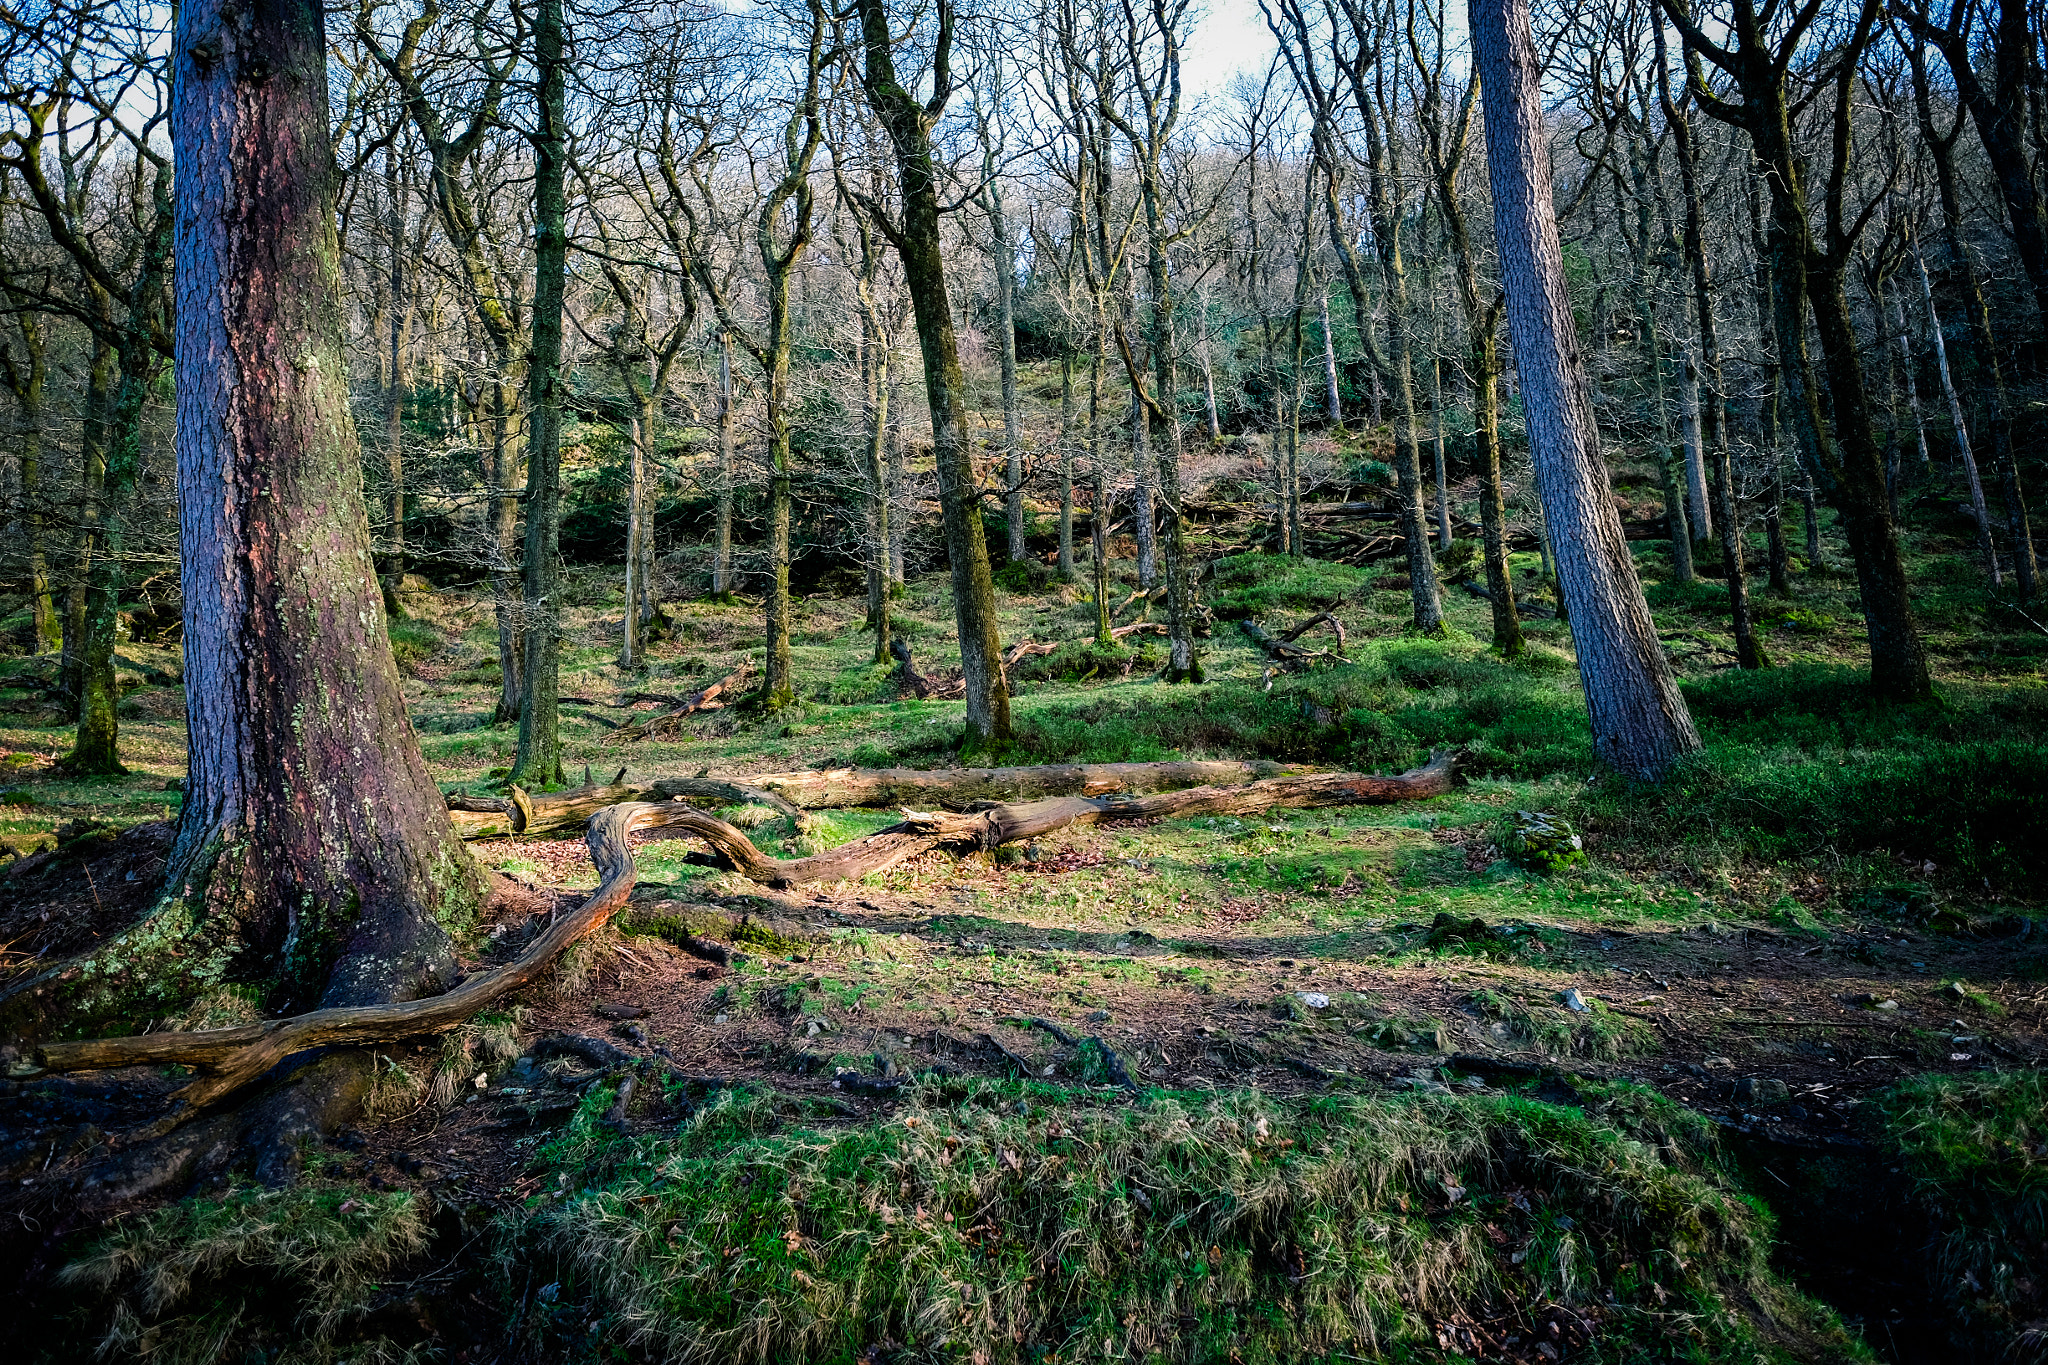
394 376
1006 337
1699 502
919 242
538 762
721 541
1066 467
875 385
29 377
1711 406
1985 549
1443 480
1395 364
1144 517
1976 357
1098 459
1209 394
506 440
103 383
899 482
95 749
1640 722
311 827
1675 465
636 497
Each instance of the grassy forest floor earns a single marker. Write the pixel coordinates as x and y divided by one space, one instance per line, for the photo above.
1756 1078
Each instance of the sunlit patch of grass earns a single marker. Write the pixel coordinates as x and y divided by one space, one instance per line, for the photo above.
999 1221
291 1274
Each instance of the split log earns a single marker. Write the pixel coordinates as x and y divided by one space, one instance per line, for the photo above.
908 679
878 787
231 1058
1322 618
1282 650
711 698
1138 628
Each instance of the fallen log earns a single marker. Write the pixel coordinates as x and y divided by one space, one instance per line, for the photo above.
497 817
837 788
231 1058
1282 650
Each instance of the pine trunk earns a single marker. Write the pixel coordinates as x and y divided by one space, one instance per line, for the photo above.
312 832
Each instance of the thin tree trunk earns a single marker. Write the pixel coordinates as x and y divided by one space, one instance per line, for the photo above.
311 826
721 535
1443 482
1985 549
1066 467
538 762
1006 336
636 491
1699 502
394 376
1144 519
898 484
1640 722
1333 402
875 383
1209 393
1098 521
1977 358
505 474
1909 375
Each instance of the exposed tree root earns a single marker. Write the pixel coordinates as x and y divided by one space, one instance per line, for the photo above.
233 1057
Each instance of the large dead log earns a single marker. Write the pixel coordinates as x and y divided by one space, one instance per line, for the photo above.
878 787
549 812
838 788
231 1058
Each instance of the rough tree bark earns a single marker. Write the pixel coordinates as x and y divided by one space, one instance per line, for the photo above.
538 761
1640 722
314 853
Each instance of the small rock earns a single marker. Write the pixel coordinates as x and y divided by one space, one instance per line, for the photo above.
621 1012
632 1033
1575 1002
723 1018
1958 991
1315 1000
1718 1064
1098 1016
1762 1090
1885 1005
1544 843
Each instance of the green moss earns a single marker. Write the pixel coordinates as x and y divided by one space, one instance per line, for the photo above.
999 1222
